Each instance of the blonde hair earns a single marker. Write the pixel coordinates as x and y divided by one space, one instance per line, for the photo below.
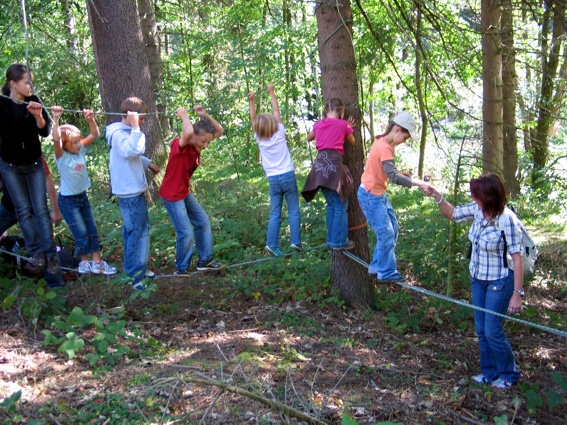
68 131
133 104
265 126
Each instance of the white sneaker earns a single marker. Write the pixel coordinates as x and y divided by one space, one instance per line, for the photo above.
85 267
150 274
102 268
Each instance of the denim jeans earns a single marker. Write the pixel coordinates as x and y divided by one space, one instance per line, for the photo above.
496 356
78 215
188 218
382 219
337 219
283 185
26 184
136 235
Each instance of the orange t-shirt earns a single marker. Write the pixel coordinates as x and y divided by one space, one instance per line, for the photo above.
374 177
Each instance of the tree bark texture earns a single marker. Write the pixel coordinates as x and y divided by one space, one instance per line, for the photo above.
509 135
152 44
121 63
338 75
554 19
492 149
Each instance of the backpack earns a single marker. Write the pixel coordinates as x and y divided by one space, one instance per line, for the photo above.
529 249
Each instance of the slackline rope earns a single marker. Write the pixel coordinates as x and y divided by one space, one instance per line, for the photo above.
461 303
196 272
362 263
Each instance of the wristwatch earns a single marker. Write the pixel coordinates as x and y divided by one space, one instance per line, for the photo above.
520 291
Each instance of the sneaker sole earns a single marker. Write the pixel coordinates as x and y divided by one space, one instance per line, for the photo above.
209 269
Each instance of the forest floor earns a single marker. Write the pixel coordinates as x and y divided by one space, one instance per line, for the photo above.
322 361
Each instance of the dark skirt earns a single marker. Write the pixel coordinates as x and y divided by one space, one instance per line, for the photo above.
330 172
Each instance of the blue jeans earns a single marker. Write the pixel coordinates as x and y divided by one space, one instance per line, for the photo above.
188 218
496 356
136 235
26 184
283 185
78 215
337 219
382 219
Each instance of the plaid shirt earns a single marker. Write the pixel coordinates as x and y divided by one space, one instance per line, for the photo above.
487 258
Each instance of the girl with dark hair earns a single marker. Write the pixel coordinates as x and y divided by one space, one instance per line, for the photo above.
22 121
330 174
494 286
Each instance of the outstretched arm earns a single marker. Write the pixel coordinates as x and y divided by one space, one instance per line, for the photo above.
217 128
275 107
188 132
446 208
93 128
56 111
252 102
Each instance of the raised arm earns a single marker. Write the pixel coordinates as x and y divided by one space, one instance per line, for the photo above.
217 128
275 107
252 102
188 132
56 112
93 128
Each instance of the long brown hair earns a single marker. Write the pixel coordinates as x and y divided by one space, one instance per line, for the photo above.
335 104
490 193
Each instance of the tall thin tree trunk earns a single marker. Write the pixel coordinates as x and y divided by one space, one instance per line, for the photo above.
152 43
509 136
554 19
492 150
338 74
419 92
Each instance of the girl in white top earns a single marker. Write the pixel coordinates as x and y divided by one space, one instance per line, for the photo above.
70 149
269 132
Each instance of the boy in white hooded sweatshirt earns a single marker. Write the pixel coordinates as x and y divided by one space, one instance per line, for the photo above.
128 182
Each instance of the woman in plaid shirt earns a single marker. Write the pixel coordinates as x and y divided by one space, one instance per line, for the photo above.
494 286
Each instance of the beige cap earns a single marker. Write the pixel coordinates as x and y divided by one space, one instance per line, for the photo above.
405 120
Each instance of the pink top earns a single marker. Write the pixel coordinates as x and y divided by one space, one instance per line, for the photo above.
330 133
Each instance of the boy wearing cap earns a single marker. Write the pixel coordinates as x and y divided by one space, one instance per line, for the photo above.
380 169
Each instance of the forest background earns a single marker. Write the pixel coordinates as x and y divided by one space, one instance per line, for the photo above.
392 354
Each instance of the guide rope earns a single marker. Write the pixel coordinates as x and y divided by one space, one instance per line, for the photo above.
461 303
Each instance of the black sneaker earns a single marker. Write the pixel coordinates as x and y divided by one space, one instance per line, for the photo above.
394 278
52 264
211 265
297 247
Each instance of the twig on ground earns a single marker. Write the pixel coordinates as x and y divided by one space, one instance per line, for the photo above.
211 407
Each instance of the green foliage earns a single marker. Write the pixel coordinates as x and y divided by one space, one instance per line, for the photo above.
33 299
111 340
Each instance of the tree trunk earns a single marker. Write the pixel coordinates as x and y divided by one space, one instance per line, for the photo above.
70 26
121 64
338 74
509 136
419 91
492 153
554 19
153 55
